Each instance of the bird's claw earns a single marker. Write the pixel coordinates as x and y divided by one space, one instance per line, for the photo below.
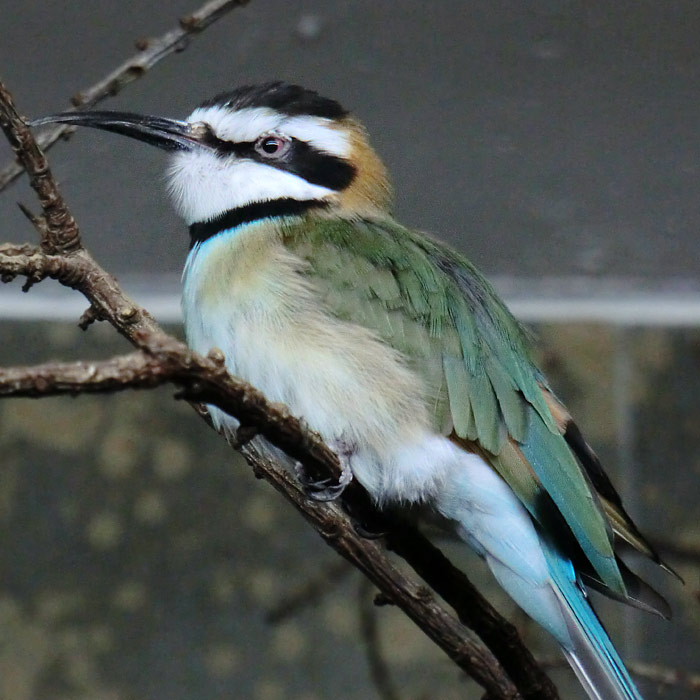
324 490
367 533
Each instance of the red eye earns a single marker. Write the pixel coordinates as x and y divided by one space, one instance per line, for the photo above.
272 146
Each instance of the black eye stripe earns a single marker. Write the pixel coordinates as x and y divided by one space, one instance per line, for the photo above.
223 147
302 159
316 167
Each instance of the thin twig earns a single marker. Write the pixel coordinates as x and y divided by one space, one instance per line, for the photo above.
80 271
310 592
150 52
201 379
369 631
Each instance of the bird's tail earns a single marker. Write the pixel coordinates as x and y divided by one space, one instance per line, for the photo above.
537 576
590 653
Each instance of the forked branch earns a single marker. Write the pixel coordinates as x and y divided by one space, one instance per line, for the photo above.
162 358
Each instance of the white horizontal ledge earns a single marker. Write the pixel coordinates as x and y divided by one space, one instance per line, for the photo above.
534 301
641 311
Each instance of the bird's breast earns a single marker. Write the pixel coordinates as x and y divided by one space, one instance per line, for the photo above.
248 295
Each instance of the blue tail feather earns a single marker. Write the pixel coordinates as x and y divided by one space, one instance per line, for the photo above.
590 652
543 582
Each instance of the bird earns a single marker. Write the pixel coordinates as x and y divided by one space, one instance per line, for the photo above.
394 348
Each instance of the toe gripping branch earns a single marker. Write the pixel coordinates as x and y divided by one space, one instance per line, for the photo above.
366 521
324 490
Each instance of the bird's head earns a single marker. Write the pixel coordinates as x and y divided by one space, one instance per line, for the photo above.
259 144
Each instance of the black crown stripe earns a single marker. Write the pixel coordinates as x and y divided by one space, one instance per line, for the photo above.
293 100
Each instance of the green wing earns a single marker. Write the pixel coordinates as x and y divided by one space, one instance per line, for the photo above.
430 303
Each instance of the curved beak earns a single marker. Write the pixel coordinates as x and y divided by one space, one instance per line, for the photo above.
168 134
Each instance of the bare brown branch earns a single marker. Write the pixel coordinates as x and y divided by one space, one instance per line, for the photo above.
416 601
80 271
205 379
150 52
61 231
202 379
163 358
475 611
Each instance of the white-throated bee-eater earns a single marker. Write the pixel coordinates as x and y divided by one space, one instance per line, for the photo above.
394 348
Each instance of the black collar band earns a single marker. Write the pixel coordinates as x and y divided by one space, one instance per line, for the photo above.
203 231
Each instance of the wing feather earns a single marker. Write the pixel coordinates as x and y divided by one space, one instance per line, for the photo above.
432 305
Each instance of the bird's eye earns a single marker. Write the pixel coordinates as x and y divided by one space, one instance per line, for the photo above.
272 146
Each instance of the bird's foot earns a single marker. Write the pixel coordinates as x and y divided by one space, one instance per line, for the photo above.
367 533
330 489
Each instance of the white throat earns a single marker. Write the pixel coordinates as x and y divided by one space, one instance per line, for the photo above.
204 185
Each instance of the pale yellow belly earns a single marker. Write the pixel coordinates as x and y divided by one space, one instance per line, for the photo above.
249 298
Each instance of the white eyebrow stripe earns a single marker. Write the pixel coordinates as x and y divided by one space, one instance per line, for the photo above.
241 126
319 133
250 123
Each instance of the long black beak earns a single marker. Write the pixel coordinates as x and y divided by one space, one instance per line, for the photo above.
168 134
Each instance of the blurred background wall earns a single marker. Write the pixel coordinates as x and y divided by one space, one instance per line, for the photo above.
556 143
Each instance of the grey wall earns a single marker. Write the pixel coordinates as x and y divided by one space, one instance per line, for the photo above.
542 138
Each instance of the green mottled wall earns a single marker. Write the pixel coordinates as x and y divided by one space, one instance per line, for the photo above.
139 557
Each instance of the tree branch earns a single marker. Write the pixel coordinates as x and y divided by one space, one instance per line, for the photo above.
204 380
150 52
163 358
453 585
58 227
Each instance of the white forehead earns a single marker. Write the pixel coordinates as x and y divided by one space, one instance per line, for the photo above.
249 123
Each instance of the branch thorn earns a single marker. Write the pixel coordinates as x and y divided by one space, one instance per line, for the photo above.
89 316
